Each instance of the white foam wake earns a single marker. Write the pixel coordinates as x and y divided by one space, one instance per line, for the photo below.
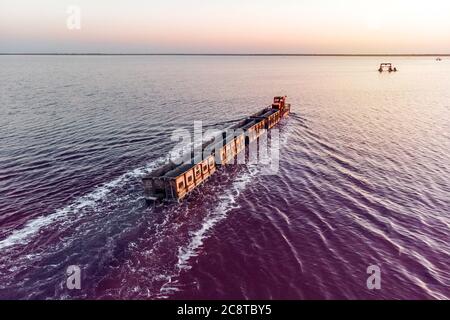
24 235
228 202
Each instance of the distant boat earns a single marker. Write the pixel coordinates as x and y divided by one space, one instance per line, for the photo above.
438 59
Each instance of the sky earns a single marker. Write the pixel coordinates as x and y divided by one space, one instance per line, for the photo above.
226 26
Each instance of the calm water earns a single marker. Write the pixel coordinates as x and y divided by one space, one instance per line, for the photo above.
363 180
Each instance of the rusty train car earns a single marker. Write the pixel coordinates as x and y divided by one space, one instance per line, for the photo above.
174 182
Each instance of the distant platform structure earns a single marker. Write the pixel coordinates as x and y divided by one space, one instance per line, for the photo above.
387 67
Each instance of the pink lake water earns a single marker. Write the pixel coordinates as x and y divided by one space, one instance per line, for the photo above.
363 179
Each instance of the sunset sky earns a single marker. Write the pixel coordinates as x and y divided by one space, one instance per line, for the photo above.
231 26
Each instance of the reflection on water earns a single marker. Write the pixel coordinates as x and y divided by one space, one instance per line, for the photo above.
363 179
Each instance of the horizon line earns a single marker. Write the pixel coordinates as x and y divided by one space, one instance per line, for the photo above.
229 54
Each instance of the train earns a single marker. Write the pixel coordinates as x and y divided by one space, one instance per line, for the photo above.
174 181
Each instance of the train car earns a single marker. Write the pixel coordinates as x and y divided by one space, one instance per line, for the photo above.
249 127
280 104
